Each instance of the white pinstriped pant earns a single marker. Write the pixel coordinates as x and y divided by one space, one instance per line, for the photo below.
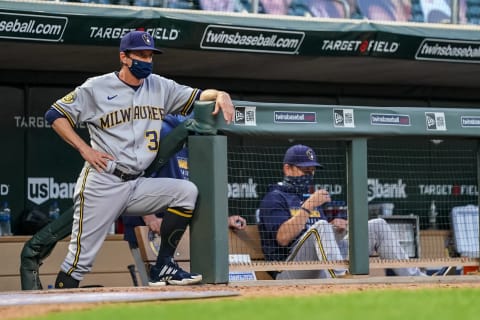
319 243
100 198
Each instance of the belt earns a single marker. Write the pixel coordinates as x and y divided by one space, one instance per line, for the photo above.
125 176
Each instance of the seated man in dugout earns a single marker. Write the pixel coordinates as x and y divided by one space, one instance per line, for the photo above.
294 227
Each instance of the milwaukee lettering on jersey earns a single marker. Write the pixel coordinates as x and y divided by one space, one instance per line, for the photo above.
118 117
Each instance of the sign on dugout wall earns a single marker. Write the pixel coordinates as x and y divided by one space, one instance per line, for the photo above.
69 24
39 168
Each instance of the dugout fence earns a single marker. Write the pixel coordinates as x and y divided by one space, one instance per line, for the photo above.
410 166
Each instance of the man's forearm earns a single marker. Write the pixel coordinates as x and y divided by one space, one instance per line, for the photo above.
210 94
63 128
291 228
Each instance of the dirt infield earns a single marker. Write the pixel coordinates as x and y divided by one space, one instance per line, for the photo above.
255 289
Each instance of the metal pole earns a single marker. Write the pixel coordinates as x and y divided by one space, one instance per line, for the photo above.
346 8
254 6
455 11
357 206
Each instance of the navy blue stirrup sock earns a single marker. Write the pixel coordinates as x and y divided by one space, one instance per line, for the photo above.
174 224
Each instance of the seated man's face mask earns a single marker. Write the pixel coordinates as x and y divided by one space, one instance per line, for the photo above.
301 184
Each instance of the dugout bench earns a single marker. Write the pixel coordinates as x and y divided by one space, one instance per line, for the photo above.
247 241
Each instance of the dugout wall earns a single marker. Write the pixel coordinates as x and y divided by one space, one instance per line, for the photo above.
37 67
409 157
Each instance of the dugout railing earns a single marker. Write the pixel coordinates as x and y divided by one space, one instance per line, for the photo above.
401 137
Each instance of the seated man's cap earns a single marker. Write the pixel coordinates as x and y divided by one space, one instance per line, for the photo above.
301 156
138 40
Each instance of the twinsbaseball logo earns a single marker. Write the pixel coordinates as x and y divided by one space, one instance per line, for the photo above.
294 117
470 121
230 38
389 119
42 189
449 50
32 27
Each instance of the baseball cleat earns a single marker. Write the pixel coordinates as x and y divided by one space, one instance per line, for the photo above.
171 273
153 283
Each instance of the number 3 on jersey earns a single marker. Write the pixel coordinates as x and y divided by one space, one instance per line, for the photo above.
153 140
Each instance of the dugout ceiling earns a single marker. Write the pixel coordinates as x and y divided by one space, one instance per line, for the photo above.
289 55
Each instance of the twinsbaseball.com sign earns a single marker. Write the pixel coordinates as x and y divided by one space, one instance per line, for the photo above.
251 39
449 50
32 27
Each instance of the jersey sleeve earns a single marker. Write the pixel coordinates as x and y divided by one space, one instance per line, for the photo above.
179 98
274 211
52 114
73 105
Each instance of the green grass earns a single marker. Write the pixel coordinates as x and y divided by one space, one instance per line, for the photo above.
437 304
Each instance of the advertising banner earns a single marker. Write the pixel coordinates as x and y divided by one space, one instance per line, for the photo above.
70 24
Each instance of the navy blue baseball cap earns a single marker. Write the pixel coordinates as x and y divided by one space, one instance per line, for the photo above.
301 156
138 40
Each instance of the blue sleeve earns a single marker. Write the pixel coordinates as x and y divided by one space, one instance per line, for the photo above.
177 166
197 97
129 223
274 211
52 114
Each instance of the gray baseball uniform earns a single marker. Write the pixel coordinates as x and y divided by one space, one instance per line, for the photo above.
124 123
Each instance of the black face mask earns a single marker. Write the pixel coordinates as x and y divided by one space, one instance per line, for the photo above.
300 184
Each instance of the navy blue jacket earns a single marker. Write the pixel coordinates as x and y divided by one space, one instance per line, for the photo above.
279 204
